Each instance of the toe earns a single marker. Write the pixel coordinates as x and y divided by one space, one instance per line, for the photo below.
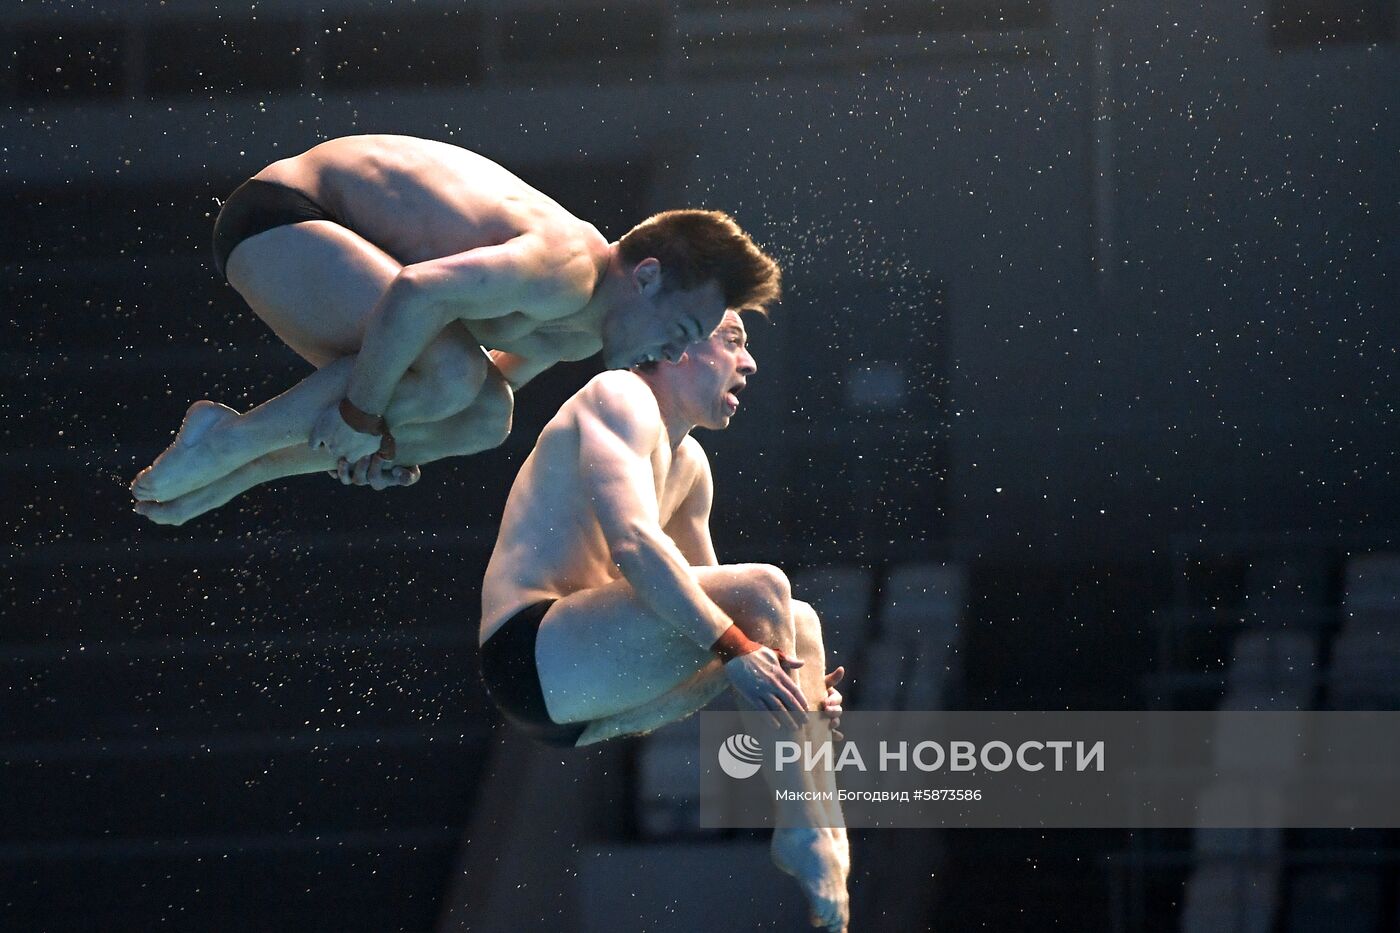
161 513
154 511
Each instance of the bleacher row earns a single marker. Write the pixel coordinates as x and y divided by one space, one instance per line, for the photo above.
1248 880
899 640
268 719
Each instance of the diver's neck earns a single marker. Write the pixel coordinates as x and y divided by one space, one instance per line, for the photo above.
677 425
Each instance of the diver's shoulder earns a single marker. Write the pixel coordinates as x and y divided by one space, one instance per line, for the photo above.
618 382
619 394
692 449
692 455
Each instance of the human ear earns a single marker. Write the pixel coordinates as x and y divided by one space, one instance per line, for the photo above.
647 275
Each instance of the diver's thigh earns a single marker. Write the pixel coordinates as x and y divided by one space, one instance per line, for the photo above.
603 651
314 283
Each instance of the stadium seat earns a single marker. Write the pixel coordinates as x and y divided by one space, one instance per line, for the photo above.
1365 672
1274 661
1334 899
842 596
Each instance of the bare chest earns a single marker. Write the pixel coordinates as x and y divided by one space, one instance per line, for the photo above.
561 339
672 482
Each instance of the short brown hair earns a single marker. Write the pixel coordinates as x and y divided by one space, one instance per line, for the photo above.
696 246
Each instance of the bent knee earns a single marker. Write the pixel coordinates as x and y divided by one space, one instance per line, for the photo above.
804 617
495 408
766 605
456 380
487 422
771 584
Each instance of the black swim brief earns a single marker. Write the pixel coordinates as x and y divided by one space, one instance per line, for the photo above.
512 678
256 206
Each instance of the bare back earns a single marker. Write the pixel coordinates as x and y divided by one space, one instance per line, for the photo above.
550 542
420 200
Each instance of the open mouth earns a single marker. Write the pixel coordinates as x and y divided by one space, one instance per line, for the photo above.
731 398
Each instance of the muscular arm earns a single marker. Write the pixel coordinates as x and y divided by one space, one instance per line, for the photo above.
619 428
689 527
481 284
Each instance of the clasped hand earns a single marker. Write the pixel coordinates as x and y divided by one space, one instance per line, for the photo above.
332 434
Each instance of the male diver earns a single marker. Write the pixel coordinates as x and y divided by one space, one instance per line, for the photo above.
605 611
427 283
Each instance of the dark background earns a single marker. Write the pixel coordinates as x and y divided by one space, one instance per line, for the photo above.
1093 304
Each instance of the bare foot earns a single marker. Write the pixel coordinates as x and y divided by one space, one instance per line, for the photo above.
186 464
193 504
175 512
810 856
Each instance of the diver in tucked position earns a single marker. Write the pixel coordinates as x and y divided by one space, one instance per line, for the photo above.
426 283
605 611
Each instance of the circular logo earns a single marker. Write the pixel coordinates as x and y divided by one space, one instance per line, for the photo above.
740 756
